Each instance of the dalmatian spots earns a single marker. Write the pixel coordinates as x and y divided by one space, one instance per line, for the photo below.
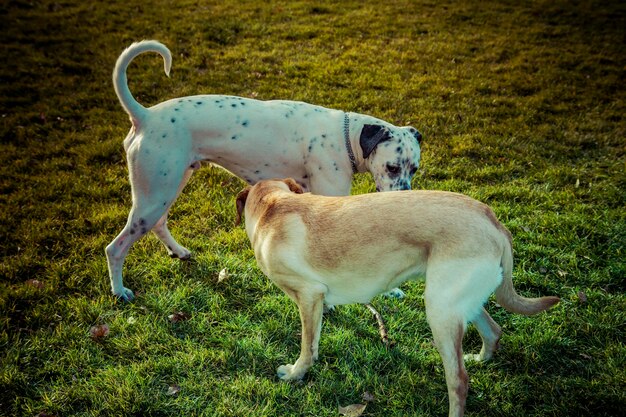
141 225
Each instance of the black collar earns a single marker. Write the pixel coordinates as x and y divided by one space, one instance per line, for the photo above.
346 131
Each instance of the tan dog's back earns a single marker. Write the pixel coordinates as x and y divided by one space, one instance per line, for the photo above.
345 239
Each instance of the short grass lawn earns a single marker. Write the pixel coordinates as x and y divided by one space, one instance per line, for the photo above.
521 105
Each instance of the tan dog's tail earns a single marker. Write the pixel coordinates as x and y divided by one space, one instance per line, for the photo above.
508 298
120 82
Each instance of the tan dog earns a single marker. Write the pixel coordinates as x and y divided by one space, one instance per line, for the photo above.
343 250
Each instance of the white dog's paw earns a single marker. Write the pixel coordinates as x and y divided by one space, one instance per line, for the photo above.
183 254
328 308
287 373
395 293
124 294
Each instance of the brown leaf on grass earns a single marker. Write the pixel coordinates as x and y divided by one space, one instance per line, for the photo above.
173 390
223 275
45 414
352 410
35 283
99 332
368 397
582 297
178 317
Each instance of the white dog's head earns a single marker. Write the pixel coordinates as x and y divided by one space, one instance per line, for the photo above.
392 155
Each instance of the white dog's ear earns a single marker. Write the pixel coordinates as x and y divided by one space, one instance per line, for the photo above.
241 204
371 136
416 134
294 187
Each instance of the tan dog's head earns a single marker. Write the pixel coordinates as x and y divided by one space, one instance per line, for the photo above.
264 187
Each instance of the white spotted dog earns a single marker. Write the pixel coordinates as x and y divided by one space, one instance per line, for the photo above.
321 148
344 250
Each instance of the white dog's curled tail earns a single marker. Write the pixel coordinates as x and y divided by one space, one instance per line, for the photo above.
508 298
120 82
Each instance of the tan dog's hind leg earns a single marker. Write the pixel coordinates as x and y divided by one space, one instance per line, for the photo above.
311 304
490 333
448 336
455 292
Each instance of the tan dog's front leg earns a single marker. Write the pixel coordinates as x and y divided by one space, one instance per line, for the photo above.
310 306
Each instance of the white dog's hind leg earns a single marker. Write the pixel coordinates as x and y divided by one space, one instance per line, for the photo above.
174 249
148 208
116 252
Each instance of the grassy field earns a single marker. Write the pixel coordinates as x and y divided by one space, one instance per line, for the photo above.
521 105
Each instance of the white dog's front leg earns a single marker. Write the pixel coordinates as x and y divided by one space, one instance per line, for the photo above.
338 184
310 306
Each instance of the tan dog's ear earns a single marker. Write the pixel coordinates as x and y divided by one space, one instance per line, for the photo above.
241 204
294 187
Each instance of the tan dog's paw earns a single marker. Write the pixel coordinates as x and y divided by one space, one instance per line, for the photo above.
289 373
477 357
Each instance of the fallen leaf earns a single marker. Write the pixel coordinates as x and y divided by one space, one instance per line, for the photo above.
131 320
222 275
178 317
582 297
45 414
99 332
35 283
352 410
585 356
368 397
173 390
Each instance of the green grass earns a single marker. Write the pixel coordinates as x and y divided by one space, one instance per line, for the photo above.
521 106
